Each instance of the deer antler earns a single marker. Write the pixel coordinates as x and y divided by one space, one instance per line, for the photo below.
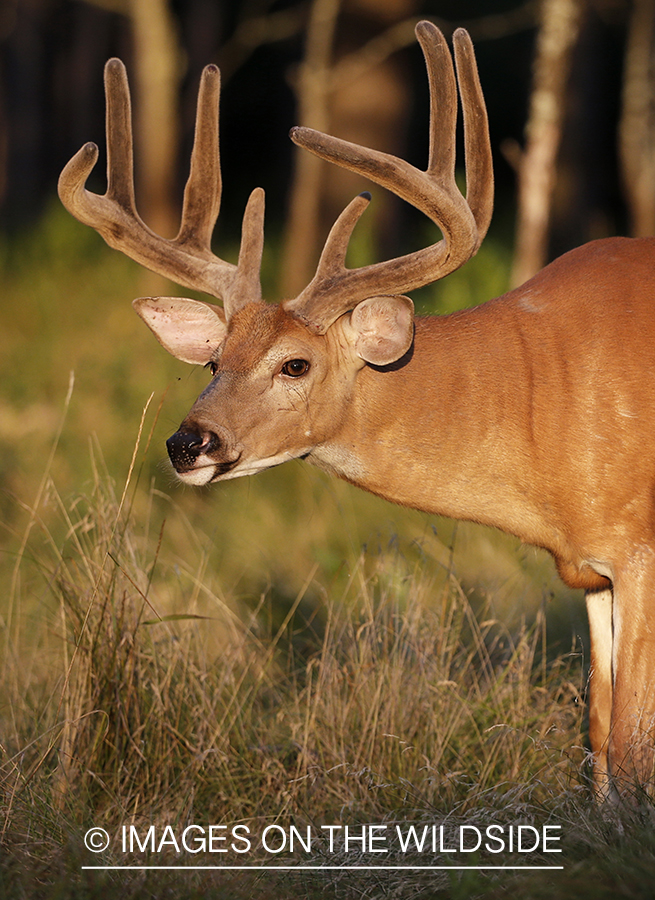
463 221
187 259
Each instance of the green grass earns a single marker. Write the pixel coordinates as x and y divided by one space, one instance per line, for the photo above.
283 650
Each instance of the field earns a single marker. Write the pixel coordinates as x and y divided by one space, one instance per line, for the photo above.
275 657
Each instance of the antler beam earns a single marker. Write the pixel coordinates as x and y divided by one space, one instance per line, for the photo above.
463 221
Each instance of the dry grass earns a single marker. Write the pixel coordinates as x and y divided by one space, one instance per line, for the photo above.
394 701
279 650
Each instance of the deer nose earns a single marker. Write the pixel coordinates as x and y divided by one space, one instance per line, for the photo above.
184 447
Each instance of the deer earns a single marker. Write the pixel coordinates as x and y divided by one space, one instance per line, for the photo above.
532 412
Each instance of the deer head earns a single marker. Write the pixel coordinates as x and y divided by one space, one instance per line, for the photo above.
274 366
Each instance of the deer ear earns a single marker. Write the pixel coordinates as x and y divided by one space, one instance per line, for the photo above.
384 328
188 329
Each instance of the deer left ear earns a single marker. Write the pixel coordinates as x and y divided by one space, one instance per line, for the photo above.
188 329
384 328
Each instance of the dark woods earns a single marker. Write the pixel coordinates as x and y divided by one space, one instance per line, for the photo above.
348 66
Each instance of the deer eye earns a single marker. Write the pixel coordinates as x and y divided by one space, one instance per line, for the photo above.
212 366
294 368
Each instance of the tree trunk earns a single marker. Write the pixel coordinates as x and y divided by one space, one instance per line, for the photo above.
302 233
558 32
158 71
637 126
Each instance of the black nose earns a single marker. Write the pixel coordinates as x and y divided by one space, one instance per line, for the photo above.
184 448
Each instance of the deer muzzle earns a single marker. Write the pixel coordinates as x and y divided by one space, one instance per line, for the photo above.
199 457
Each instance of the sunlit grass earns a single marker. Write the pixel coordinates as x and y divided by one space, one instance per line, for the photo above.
137 691
391 699
277 649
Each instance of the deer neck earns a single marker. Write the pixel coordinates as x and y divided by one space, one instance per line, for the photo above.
457 446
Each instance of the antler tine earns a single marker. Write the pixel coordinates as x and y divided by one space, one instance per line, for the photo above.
204 187
187 259
335 289
120 144
477 147
320 298
246 285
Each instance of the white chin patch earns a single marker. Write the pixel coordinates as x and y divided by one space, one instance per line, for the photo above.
197 477
253 466
205 474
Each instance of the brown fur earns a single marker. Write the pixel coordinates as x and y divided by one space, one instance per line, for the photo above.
532 413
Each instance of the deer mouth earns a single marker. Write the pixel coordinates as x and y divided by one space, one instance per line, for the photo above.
191 455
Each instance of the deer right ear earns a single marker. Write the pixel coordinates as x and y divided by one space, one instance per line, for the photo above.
188 329
383 328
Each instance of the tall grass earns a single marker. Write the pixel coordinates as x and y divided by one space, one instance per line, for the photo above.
277 650
392 700
138 692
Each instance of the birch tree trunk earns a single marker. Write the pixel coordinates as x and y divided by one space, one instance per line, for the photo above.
559 28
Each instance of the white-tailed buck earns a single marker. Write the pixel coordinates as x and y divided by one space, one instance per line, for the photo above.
534 412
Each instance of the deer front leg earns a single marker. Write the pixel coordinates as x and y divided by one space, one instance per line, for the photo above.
633 660
599 611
